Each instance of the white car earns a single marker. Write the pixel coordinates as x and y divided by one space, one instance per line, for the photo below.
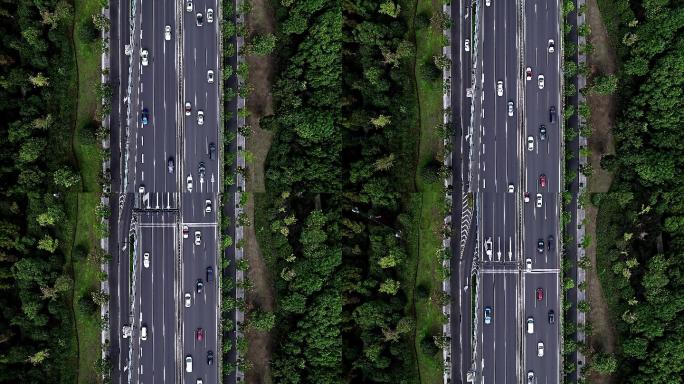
188 6
528 73
188 300
552 46
200 117
511 188
499 88
207 206
540 81
146 260
530 143
189 183
141 189
143 332
198 237
210 15
540 349
530 377
488 2
488 246
466 45
188 108
528 264
144 58
530 325
210 76
510 108
167 32
199 381
188 364
539 200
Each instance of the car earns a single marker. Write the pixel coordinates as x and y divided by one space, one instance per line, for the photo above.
488 2
170 165
189 183
540 349
198 237
212 151
201 170
200 117
186 232
552 317
210 357
542 132
145 57
199 334
530 377
207 206
549 243
539 200
145 116
210 15
499 88
528 73
540 245
528 264
210 76
188 6
199 286
530 143
143 332
210 274
188 108
540 294
540 81
199 381
167 32
488 315
141 189
488 246
188 364
510 108
527 197
552 46
511 188
200 19
466 45
542 180
188 300
530 324
552 114
146 259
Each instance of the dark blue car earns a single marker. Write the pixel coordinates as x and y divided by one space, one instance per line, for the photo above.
145 116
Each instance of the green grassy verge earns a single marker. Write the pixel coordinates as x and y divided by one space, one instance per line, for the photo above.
426 206
607 233
81 207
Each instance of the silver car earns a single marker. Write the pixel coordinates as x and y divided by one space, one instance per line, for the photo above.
144 57
188 180
167 32
540 81
210 76
530 143
188 364
539 200
188 300
200 117
528 264
207 206
188 6
540 349
210 15
510 108
499 88
198 237
146 260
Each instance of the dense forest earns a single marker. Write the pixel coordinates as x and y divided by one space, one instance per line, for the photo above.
336 196
641 220
36 78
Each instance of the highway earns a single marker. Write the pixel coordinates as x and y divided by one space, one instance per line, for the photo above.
541 25
499 168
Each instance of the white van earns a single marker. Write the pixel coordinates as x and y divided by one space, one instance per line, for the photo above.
530 325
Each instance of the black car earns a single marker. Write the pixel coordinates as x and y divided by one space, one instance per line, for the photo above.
210 274
542 132
171 165
540 245
210 357
201 169
552 114
552 317
549 243
200 19
199 287
212 151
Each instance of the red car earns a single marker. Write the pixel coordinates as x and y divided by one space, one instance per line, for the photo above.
540 294
200 334
542 180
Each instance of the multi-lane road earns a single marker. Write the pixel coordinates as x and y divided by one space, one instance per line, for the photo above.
168 181
514 161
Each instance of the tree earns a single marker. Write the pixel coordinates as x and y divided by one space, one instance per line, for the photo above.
48 244
262 321
39 80
390 287
428 346
381 121
605 84
604 363
66 178
390 9
262 45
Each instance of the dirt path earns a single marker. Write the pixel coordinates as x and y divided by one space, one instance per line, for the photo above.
261 70
602 61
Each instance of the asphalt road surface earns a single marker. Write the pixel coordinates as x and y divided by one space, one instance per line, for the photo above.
544 160
499 169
